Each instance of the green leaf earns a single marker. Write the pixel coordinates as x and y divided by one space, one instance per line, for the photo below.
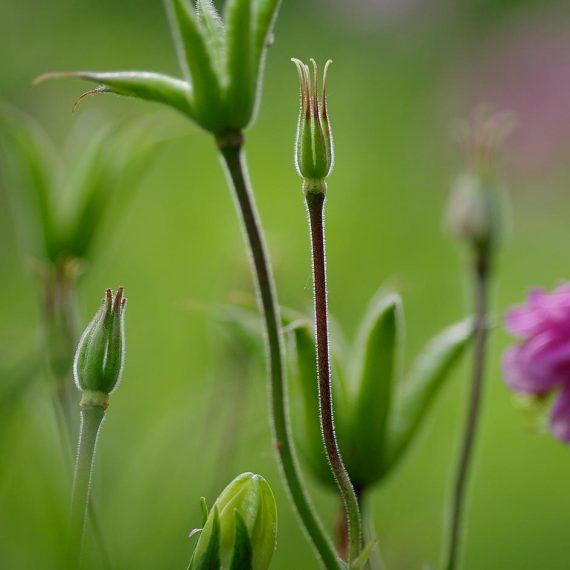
197 59
241 82
378 346
428 375
305 393
92 182
304 376
242 558
28 160
139 84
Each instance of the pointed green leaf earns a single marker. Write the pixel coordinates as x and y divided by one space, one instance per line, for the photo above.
426 378
139 84
305 392
198 64
241 82
92 181
242 558
28 159
378 347
304 376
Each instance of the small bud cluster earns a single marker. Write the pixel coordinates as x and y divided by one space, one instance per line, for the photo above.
314 154
99 357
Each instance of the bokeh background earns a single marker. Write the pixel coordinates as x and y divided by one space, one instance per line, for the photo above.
404 71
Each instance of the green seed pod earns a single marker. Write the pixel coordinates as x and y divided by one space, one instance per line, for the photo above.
240 530
99 357
314 152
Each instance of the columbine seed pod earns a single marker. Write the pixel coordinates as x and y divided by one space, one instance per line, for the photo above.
240 531
475 206
314 152
99 357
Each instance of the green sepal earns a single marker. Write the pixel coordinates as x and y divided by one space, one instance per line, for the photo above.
139 84
204 509
198 64
426 378
240 91
209 557
242 558
212 27
370 413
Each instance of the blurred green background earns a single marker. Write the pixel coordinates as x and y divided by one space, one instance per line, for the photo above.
403 71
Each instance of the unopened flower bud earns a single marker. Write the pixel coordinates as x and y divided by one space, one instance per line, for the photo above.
314 154
99 357
240 530
475 208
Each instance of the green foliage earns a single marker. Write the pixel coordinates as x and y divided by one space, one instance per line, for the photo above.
381 414
221 61
67 197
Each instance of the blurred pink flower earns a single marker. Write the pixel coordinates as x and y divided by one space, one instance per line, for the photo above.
541 363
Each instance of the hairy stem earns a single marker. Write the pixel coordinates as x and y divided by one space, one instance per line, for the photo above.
315 204
91 420
231 151
481 274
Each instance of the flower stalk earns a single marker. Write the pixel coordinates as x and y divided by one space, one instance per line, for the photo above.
97 369
230 147
475 216
481 281
314 161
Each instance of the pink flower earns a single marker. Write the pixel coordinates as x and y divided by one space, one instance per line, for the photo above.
541 363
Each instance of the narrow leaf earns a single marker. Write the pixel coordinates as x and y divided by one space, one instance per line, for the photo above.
241 83
139 84
198 64
371 411
304 380
428 375
28 163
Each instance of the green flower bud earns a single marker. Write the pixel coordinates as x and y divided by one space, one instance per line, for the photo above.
99 357
240 530
221 57
314 153
475 209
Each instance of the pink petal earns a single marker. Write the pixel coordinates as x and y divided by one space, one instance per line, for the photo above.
560 415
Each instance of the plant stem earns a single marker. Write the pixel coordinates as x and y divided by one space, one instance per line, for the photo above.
231 150
315 203
91 420
481 275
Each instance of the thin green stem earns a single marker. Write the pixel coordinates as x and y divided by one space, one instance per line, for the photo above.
231 151
481 275
91 420
315 204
